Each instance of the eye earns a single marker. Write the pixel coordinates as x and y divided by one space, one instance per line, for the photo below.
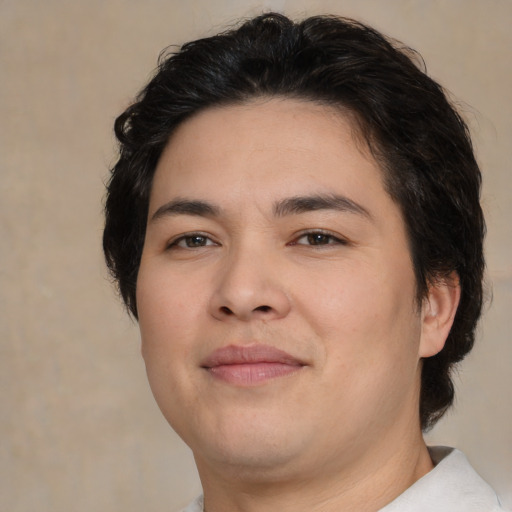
191 241
319 238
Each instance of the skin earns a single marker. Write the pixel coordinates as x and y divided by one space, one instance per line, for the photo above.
332 287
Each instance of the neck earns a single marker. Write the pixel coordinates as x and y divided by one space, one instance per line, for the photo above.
366 485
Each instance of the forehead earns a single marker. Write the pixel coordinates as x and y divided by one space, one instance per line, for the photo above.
265 145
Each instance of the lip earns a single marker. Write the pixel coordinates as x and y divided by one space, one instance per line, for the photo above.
250 365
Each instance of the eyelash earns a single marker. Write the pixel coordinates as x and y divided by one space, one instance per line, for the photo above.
189 236
332 239
327 236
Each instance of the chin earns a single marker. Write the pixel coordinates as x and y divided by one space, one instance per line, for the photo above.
255 466
252 453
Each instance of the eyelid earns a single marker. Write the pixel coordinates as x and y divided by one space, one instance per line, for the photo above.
175 240
336 237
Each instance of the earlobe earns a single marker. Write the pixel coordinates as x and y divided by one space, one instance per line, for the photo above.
438 313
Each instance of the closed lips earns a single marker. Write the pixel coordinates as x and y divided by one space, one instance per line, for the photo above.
250 365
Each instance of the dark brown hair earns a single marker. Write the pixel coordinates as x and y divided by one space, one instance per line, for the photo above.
416 135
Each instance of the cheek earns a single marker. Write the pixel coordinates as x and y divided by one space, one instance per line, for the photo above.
363 309
168 320
169 309
368 328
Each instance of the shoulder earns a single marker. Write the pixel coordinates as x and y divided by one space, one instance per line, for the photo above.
195 506
452 486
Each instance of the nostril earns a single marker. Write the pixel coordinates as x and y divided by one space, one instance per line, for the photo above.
265 309
226 310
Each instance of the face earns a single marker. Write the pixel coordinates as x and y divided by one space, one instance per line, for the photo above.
276 293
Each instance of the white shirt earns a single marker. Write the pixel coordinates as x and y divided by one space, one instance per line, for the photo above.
452 486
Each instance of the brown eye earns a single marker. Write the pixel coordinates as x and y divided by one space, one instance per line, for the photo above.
319 238
192 241
195 241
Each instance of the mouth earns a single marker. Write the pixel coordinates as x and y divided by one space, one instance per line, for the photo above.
250 365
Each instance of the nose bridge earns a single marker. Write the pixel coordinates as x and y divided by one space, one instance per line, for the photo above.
249 284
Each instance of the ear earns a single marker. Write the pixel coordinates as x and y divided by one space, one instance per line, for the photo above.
438 312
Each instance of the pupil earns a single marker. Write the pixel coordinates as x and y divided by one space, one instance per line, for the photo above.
196 241
318 239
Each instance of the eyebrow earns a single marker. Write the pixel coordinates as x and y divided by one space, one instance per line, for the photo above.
304 204
186 207
289 206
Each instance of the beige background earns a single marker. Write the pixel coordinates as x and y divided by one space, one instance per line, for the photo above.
79 427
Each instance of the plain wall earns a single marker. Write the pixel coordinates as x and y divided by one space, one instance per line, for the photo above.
80 430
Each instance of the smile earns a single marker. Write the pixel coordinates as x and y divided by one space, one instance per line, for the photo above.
250 365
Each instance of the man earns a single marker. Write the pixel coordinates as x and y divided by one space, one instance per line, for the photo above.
294 220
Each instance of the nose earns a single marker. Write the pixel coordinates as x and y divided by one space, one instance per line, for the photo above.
249 287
